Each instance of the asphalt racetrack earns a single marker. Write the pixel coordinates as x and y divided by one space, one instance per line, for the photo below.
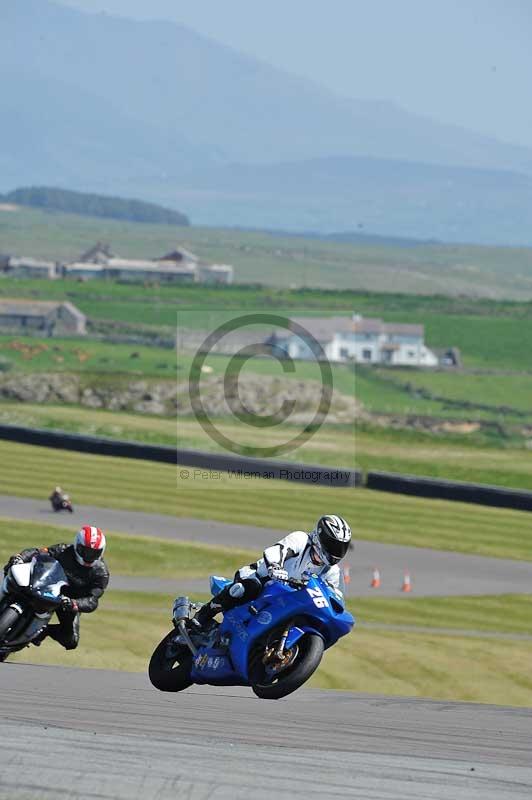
83 734
433 572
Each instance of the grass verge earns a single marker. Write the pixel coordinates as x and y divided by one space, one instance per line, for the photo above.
484 670
375 516
132 555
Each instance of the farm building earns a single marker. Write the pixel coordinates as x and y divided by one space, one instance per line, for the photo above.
177 266
41 317
125 269
83 270
100 253
215 273
26 267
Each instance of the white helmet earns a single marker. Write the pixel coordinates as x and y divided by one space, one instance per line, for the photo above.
331 538
89 545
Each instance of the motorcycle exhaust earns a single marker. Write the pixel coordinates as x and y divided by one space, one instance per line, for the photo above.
180 613
181 609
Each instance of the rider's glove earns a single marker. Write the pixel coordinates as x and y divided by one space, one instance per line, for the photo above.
67 604
277 573
17 559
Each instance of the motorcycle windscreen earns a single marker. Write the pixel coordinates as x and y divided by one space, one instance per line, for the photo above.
48 576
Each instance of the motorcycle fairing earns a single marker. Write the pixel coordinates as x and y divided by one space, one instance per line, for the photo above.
318 609
217 583
22 573
42 577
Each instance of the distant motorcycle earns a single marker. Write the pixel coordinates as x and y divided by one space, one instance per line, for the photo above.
272 644
29 595
62 503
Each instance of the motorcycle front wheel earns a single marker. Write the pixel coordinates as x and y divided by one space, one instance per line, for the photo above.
8 619
170 665
273 687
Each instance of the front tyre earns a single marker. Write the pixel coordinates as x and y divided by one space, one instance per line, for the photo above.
170 665
8 619
310 652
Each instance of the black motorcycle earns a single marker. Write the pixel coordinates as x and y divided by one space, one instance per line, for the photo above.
62 503
29 595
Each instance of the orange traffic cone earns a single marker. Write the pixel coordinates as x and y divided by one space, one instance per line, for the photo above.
407 583
347 574
376 579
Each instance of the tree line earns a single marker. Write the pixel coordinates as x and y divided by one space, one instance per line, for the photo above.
94 205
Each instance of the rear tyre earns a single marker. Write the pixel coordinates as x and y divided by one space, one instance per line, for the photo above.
310 652
170 666
8 619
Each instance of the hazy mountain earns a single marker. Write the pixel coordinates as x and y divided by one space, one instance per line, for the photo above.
232 107
154 110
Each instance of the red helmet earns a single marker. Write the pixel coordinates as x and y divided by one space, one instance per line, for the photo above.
89 545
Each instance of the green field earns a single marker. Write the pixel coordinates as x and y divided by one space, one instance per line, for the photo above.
30 354
489 334
144 486
486 444
505 395
279 260
501 398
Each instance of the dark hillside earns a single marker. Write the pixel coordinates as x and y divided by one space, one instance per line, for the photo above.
94 205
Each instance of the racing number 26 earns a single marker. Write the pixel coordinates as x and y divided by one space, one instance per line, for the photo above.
319 598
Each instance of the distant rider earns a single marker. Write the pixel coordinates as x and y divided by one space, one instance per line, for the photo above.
87 576
297 555
57 497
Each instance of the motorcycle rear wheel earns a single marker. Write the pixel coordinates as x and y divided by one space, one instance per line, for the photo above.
170 666
308 659
8 618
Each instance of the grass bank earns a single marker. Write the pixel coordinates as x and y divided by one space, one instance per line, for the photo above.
375 516
478 457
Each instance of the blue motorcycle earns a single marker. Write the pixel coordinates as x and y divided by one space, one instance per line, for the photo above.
272 644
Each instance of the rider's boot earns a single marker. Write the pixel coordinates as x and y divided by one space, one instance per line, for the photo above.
226 599
235 594
203 618
40 638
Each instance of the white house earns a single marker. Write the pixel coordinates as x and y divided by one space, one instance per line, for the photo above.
363 340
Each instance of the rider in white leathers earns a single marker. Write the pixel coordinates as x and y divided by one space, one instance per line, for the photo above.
297 555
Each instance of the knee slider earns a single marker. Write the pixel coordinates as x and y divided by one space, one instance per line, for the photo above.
236 591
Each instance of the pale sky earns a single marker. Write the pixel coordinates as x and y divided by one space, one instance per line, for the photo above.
466 62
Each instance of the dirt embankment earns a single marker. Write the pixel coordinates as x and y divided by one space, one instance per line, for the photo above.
296 401
264 395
